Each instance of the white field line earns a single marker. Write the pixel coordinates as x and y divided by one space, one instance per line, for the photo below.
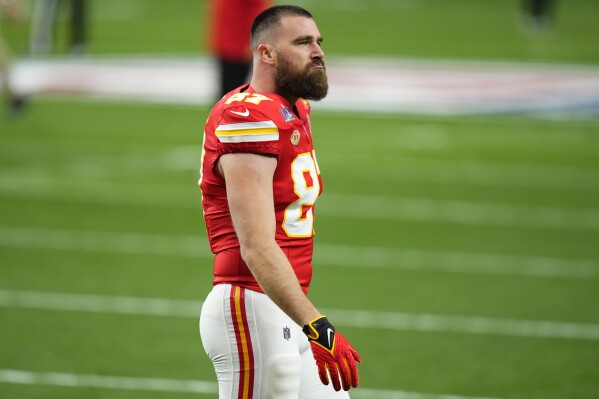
391 168
458 212
394 321
481 173
457 262
105 242
325 254
484 177
170 385
421 210
107 382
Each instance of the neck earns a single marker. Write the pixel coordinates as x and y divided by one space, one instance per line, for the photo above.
264 82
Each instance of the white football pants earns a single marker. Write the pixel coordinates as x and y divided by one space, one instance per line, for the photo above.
258 352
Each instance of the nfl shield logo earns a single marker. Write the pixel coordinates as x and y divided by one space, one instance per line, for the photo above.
286 333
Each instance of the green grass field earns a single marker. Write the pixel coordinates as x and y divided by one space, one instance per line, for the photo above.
459 254
467 29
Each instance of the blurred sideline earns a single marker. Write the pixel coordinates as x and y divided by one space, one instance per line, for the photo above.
385 85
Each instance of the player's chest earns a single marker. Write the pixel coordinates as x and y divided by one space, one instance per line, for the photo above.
297 169
295 138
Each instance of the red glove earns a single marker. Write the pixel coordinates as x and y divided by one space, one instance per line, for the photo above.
333 354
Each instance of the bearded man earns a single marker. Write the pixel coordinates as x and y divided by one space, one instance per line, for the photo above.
260 180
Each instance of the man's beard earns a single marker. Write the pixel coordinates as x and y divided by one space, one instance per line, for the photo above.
311 83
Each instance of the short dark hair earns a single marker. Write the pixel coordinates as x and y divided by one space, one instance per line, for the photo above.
270 18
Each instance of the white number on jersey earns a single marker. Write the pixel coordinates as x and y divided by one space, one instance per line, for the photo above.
298 221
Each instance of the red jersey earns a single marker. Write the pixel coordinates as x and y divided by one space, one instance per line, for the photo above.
261 123
230 25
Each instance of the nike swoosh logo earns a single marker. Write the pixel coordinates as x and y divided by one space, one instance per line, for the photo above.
329 333
246 113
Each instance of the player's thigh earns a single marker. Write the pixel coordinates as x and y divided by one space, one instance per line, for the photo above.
277 339
217 335
252 344
310 384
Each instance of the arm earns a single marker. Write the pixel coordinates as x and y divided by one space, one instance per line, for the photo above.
249 190
249 179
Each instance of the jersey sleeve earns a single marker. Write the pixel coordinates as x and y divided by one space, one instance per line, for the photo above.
247 130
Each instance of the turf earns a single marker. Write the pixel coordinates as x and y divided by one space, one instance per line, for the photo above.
61 173
491 29
101 198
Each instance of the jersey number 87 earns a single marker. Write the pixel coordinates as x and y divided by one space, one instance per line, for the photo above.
298 221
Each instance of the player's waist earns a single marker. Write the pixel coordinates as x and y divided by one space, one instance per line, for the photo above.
229 266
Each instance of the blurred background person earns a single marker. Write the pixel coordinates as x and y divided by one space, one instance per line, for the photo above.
42 26
229 39
538 14
13 11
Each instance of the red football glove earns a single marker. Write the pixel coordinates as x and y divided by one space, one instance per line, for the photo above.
333 354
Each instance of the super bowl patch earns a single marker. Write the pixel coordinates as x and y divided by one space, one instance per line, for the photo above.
286 114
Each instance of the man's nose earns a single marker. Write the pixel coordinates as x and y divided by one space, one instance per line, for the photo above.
317 51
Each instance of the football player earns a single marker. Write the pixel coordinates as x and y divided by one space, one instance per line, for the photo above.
260 180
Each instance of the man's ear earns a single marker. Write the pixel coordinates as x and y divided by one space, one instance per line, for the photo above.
266 53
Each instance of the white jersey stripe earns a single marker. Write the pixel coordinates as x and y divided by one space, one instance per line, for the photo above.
247 132
252 138
247 126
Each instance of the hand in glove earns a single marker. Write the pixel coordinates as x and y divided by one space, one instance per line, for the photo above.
333 353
